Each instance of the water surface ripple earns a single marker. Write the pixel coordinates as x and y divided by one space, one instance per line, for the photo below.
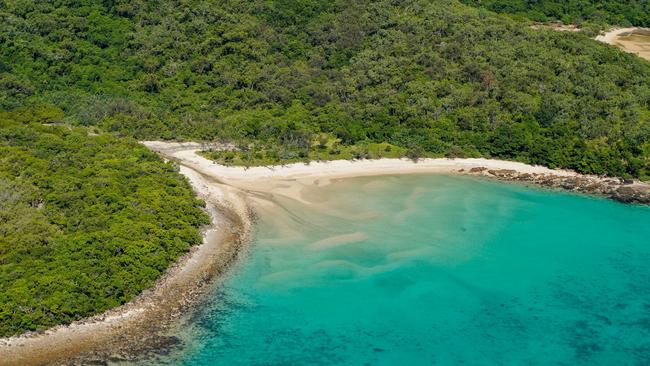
434 269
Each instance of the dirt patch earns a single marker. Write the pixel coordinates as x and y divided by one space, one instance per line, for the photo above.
632 40
557 26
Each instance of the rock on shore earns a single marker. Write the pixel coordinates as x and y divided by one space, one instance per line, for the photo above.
626 191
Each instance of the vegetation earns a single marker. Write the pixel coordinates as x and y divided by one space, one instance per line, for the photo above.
86 222
608 12
88 218
423 75
323 148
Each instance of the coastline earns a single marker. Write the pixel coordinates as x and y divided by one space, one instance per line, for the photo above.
610 36
143 325
285 179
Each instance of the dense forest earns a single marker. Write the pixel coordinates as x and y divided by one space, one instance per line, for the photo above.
598 12
434 78
88 217
86 222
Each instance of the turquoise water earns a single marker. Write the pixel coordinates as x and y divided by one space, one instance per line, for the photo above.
422 269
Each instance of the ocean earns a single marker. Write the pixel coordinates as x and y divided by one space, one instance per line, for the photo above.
432 270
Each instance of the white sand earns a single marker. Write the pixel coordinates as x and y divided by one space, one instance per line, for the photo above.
234 188
610 36
334 169
617 37
290 180
260 184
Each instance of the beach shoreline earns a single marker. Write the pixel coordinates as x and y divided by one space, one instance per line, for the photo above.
144 324
281 179
230 194
185 154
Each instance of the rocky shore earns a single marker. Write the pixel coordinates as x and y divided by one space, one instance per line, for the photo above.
148 325
627 191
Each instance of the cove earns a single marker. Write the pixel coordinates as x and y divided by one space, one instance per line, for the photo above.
433 269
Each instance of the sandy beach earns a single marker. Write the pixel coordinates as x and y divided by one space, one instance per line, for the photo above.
230 192
288 179
632 40
186 154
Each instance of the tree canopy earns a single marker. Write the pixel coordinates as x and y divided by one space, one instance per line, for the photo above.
436 77
607 12
86 222
89 220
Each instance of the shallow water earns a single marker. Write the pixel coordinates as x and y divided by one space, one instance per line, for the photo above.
434 269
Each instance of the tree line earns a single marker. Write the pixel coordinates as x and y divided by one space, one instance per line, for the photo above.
583 12
435 77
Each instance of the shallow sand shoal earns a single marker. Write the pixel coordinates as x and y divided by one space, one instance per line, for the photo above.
228 192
